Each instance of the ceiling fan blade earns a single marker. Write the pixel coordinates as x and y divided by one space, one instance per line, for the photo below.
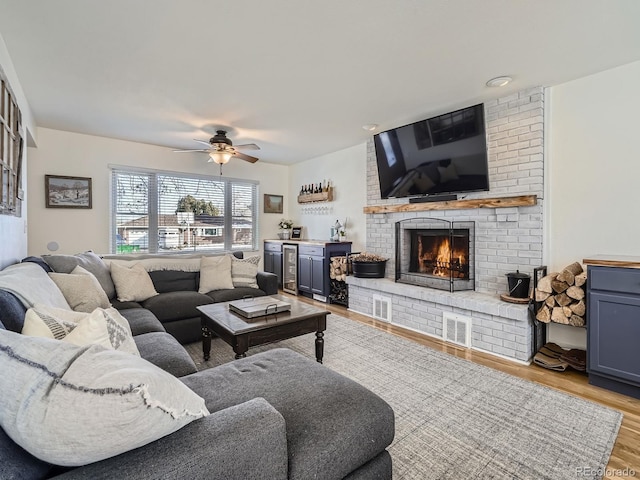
248 146
202 141
183 151
247 158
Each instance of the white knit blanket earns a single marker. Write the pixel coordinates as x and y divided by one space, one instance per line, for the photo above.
31 284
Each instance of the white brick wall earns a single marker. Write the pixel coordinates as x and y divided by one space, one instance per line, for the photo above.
507 239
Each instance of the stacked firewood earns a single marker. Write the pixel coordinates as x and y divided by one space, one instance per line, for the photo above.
562 296
338 268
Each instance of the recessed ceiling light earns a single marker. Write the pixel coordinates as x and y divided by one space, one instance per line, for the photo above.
370 126
499 81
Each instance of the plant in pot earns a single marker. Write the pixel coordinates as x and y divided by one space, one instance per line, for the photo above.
368 265
285 229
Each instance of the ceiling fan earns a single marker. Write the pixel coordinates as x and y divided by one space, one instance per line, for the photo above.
221 149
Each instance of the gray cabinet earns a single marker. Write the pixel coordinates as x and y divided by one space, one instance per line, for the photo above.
613 328
273 259
313 267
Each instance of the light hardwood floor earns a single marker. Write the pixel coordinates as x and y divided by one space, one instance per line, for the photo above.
626 451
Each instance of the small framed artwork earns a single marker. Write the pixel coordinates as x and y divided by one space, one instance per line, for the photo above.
273 203
296 232
67 192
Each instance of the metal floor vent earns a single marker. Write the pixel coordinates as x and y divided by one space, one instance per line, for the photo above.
382 308
456 329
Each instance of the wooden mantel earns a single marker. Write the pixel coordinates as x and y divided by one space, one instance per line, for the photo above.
498 202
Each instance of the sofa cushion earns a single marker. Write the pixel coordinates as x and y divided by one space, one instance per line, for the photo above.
164 351
243 272
31 285
38 261
141 321
17 463
215 273
234 294
176 305
174 281
326 414
81 290
115 303
132 284
87 260
104 327
71 405
12 311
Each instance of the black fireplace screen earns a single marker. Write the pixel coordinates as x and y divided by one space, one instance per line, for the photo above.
435 253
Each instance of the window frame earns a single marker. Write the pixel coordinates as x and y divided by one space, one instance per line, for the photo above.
153 213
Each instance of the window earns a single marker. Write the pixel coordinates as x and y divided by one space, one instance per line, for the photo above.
155 211
11 146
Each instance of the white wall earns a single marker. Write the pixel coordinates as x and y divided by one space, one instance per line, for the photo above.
594 161
594 166
347 171
65 153
13 230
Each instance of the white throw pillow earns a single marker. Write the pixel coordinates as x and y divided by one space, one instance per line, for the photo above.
70 405
132 284
215 273
81 289
244 271
104 327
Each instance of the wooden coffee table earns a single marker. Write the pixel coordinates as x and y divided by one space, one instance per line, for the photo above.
242 333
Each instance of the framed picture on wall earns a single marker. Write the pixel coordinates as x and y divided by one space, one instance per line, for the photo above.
67 192
273 203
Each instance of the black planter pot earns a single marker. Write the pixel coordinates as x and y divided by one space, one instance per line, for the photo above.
369 269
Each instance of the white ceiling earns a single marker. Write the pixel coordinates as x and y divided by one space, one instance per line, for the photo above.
299 78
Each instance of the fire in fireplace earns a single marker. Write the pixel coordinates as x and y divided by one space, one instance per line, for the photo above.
441 253
435 253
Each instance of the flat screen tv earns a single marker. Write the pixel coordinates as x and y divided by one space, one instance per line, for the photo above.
441 155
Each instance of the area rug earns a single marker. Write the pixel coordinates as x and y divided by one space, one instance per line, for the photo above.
456 419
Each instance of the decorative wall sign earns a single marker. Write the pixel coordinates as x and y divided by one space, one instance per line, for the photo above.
67 192
273 203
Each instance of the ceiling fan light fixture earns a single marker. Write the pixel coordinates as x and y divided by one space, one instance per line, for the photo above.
220 157
499 81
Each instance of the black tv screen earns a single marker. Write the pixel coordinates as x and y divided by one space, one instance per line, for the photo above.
443 154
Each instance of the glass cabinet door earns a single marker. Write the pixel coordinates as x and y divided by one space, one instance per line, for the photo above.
290 268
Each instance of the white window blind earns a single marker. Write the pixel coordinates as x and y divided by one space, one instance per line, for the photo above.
155 211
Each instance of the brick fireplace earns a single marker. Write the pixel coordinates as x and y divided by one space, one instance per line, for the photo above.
504 239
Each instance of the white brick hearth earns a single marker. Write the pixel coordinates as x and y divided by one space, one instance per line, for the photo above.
507 239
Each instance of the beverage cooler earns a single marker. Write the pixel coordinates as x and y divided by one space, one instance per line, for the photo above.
290 268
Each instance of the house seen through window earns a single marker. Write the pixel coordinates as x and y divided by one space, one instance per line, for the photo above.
154 211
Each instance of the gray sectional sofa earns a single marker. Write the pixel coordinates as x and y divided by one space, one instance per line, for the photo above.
275 415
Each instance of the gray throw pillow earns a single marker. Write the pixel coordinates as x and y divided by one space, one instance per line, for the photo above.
87 260
71 405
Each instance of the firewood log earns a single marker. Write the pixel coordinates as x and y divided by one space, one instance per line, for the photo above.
558 286
579 308
581 279
544 314
558 316
541 296
544 284
563 299
576 321
567 312
567 277
551 301
576 293
574 268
